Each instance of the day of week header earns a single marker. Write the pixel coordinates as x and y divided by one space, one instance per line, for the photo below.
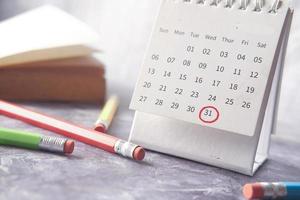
211 37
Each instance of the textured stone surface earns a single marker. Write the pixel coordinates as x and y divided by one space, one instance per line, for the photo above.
91 173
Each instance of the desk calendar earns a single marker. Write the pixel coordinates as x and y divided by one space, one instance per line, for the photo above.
214 66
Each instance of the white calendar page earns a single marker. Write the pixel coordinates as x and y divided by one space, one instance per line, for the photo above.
210 65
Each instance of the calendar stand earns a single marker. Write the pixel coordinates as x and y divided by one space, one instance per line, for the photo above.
216 147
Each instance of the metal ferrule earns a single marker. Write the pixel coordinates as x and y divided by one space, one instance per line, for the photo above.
274 190
125 148
268 190
279 190
103 122
53 144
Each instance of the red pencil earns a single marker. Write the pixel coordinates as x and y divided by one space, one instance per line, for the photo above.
103 141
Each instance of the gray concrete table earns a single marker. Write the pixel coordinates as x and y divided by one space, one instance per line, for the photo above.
91 173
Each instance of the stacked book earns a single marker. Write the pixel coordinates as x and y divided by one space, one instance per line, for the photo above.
48 55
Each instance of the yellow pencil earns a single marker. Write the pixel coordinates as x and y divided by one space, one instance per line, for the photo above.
105 118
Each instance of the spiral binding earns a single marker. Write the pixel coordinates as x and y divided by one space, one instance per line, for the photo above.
258 5
275 6
242 4
228 3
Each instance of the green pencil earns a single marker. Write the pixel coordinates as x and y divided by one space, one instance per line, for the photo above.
35 141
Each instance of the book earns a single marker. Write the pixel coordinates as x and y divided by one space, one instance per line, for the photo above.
48 55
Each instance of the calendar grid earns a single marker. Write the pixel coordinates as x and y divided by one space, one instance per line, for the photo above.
207 73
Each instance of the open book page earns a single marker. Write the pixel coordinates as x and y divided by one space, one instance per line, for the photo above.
43 34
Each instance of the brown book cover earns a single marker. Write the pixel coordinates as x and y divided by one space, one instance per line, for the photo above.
73 79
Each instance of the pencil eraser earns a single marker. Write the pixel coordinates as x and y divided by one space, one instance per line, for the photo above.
69 146
100 128
253 191
139 153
